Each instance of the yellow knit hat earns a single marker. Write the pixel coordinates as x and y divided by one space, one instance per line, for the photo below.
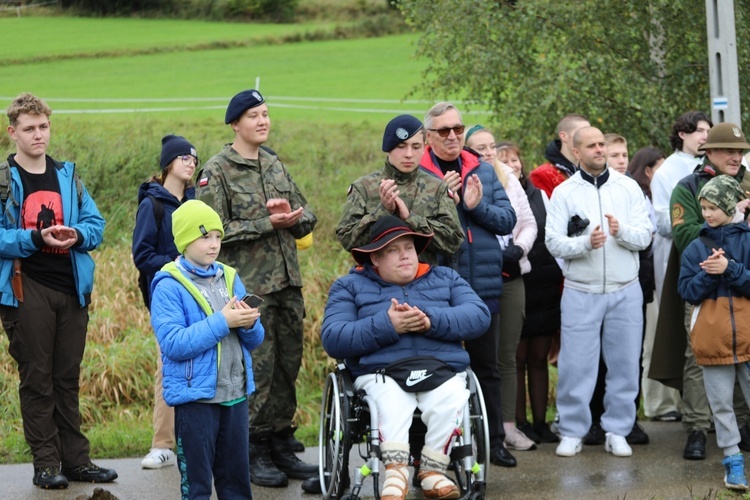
192 220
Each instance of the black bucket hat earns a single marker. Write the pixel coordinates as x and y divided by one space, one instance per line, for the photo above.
385 230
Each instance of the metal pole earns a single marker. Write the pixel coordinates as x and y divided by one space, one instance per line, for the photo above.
722 62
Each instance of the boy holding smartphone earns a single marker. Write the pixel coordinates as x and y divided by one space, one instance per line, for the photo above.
206 335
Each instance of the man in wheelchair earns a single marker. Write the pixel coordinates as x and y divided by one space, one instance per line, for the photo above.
398 324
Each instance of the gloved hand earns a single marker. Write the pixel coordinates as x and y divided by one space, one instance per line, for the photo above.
512 253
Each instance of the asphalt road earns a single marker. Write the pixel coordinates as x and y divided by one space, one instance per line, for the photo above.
655 471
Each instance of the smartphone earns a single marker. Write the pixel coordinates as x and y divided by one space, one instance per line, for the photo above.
252 300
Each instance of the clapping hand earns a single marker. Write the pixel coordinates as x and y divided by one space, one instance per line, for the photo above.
59 236
716 263
408 319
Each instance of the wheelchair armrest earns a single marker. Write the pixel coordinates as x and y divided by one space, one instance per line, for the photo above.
346 380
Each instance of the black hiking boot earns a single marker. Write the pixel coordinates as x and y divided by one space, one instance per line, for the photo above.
284 458
263 472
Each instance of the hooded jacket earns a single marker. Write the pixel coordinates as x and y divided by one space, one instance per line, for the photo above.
189 339
82 216
721 327
558 168
480 260
615 265
153 244
357 328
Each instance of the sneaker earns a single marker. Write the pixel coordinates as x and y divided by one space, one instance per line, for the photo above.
595 435
734 477
158 458
528 430
568 447
695 449
617 445
555 425
637 435
544 431
89 473
49 478
670 416
517 440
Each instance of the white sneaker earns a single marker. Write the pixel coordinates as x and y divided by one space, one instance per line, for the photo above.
617 445
569 446
515 439
158 458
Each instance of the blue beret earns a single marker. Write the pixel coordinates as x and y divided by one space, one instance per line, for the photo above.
398 130
242 102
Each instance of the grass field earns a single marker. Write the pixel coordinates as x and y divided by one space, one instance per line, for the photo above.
50 37
327 81
329 102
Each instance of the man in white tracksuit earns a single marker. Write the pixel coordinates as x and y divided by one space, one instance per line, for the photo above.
602 298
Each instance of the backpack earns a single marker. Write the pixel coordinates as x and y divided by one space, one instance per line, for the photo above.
143 284
6 191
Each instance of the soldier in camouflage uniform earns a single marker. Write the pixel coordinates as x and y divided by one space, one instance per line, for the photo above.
402 189
263 212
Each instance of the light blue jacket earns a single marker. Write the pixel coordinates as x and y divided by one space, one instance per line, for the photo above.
189 338
17 243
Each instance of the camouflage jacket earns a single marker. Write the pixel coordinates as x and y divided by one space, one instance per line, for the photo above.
431 210
237 189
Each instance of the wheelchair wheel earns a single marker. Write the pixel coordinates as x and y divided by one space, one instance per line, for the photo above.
472 480
334 440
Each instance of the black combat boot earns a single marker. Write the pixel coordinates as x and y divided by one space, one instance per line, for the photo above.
284 458
263 472
297 446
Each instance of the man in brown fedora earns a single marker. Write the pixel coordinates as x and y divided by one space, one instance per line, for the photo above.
723 148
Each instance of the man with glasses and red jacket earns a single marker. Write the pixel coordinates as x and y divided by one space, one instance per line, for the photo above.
484 212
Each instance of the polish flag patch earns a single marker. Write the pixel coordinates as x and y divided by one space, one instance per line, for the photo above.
203 182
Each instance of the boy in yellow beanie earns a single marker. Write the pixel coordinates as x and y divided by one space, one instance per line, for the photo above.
205 333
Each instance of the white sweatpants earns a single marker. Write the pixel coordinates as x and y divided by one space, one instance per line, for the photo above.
442 408
610 323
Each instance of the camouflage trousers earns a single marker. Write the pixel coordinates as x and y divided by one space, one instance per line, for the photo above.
277 361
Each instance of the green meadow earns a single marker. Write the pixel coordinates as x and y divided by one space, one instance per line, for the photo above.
116 86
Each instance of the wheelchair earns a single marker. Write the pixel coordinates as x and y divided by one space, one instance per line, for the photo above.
350 419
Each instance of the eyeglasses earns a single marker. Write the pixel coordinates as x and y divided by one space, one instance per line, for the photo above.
445 132
188 160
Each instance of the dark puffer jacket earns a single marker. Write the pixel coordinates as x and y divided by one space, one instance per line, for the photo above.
480 260
357 327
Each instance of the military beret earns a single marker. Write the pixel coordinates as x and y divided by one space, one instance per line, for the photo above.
242 102
398 130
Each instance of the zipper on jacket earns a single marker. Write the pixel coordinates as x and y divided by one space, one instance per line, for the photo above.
734 327
189 372
604 251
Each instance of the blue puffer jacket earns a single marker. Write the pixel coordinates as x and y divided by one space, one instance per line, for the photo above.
153 246
357 327
189 340
84 218
480 259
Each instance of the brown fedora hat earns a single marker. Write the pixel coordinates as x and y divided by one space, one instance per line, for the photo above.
725 136
385 230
